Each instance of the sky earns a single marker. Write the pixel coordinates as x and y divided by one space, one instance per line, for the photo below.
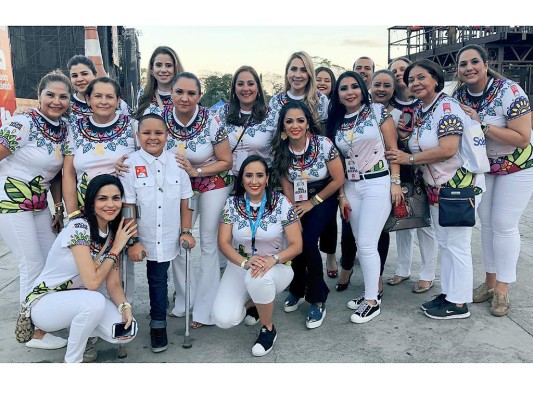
266 48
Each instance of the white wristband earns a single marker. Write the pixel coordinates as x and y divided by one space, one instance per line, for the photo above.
122 306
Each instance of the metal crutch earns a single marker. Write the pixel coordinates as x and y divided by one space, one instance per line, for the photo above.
127 213
187 339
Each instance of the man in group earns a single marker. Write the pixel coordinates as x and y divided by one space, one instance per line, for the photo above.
364 66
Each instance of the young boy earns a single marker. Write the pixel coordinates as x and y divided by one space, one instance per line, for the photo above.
161 190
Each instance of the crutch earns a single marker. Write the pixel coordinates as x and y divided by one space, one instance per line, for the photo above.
127 213
187 338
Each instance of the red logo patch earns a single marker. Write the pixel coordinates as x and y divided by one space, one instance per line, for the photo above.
515 90
140 171
446 108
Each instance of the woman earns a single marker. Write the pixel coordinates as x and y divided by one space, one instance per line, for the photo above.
244 118
30 166
325 81
202 149
259 262
401 107
82 72
310 173
381 89
163 66
299 85
83 257
93 146
362 132
503 109
434 143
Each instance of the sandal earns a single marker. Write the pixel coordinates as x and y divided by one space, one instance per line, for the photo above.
333 274
196 325
396 280
418 288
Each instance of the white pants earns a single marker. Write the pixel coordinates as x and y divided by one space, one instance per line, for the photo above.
455 258
428 252
208 206
237 287
86 313
29 236
371 204
503 203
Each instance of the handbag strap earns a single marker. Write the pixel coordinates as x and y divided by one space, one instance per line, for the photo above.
103 247
245 126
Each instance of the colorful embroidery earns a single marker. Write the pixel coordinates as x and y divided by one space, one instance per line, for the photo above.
291 217
89 136
462 178
519 107
79 239
313 159
24 196
449 125
193 134
46 134
480 103
520 159
9 140
41 289
206 183
82 189
79 109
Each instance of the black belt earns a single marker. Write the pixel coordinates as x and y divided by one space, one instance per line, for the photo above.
373 175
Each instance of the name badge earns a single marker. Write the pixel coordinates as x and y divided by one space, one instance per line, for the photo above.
351 170
300 190
241 156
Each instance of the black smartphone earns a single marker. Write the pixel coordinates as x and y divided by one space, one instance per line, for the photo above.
408 116
119 330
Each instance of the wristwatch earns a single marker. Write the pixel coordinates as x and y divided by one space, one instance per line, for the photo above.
132 241
412 159
396 181
199 171
275 257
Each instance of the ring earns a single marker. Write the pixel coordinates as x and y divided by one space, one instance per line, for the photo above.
395 157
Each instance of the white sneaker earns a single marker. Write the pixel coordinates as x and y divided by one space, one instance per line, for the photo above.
365 312
356 302
48 342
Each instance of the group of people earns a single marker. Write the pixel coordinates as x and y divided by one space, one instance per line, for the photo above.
267 181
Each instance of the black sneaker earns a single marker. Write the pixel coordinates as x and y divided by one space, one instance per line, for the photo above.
354 303
264 342
365 312
436 302
252 316
159 340
448 311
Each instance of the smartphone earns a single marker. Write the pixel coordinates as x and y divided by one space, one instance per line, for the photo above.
120 331
408 116
346 212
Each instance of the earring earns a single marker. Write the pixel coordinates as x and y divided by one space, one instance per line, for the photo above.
283 135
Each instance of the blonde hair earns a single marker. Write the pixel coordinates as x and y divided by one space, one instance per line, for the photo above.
311 92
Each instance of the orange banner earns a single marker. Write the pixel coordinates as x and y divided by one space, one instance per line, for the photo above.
8 102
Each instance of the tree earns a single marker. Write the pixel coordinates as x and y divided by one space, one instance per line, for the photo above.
143 77
216 88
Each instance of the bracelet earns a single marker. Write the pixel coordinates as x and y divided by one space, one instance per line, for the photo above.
485 128
395 176
123 306
74 214
314 201
186 231
412 159
113 257
317 197
243 263
59 207
340 196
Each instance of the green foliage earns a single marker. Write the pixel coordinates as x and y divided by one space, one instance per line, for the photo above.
216 88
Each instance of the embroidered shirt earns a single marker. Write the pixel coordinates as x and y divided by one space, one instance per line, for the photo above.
311 164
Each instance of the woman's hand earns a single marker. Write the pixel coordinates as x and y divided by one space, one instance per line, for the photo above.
396 193
185 237
344 203
120 167
471 113
137 252
185 164
57 223
303 207
127 317
124 232
397 157
260 265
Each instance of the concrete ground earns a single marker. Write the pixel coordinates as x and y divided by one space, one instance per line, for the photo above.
400 336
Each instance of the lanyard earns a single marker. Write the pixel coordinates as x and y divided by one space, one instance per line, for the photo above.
254 225
302 164
356 121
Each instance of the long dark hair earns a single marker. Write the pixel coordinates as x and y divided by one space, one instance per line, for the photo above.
93 188
280 148
151 83
259 107
337 110
239 188
331 76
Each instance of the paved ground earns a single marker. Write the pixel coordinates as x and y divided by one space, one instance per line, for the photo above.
400 335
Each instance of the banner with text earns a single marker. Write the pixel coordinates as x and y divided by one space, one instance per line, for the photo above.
8 102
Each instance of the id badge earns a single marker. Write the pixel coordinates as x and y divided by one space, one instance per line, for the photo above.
241 156
351 170
300 190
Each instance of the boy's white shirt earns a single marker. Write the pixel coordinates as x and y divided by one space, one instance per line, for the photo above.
157 185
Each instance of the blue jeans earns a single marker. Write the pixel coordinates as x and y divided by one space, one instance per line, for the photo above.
157 274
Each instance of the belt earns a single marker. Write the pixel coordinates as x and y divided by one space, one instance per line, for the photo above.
373 175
